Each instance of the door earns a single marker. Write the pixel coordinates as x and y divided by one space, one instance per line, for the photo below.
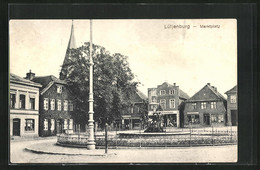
16 127
234 117
59 126
206 119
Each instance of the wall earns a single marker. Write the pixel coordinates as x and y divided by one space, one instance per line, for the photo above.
55 114
26 113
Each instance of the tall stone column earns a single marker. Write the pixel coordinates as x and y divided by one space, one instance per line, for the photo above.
91 143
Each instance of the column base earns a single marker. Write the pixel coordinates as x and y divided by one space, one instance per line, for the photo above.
91 145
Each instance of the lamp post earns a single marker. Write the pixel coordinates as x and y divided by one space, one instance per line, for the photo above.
91 142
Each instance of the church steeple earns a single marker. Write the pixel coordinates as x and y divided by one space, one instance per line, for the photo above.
72 42
71 45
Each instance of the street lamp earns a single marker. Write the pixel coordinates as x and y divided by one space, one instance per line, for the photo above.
91 142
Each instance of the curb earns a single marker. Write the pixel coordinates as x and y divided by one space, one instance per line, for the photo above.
62 153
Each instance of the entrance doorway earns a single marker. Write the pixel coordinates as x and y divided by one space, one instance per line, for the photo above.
16 127
59 126
206 119
234 117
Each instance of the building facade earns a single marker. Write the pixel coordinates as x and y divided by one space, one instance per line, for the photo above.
56 106
131 117
205 108
167 99
24 107
232 106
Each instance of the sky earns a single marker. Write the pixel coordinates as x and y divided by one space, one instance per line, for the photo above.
190 52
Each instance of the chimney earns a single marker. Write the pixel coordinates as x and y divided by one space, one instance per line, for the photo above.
208 84
174 84
30 75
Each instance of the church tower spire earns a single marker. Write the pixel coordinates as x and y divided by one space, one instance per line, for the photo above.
71 45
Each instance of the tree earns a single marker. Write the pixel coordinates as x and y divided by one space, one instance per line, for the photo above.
113 83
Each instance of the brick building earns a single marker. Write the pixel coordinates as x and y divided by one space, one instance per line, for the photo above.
170 98
232 106
132 116
206 107
24 108
56 105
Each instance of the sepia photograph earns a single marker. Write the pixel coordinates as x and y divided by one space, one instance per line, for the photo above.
123 91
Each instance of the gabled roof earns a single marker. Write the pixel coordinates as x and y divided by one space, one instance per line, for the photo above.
207 93
141 95
47 82
16 79
234 89
182 93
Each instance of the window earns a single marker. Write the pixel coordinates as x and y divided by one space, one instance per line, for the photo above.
65 124
12 100
65 105
132 110
71 124
194 105
203 105
70 106
153 99
29 124
172 92
22 101
162 92
52 124
59 89
213 105
46 104
163 103
52 104
172 103
32 103
233 99
194 119
220 118
45 123
59 104
214 118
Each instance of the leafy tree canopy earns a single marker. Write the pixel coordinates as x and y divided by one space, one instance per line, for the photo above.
113 82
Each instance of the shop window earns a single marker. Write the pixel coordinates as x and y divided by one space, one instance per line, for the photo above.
172 103
59 104
46 104
32 103
213 105
163 103
29 124
12 100
194 119
22 101
203 105
214 118
45 123
65 105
